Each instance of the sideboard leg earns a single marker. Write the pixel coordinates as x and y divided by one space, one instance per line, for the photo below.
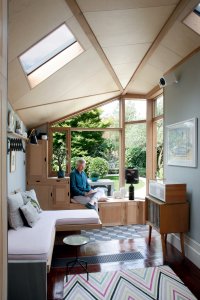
150 231
163 245
182 243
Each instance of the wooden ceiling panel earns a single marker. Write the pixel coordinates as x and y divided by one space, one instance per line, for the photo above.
126 53
48 113
181 39
29 21
96 5
72 81
125 71
125 59
164 59
125 27
146 80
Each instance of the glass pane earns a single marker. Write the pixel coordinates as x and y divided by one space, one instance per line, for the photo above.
135 142
135 110
106 116
59 157
48 47
159 106
159 147
110 114
97 144
54 64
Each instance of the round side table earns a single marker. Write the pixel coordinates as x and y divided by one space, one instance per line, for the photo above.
76 241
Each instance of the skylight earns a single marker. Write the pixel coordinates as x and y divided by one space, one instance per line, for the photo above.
49 55
197 10
193 19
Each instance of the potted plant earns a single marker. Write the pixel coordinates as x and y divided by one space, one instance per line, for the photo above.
59 160
94 176
98 165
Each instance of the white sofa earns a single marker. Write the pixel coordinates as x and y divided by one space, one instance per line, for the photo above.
30 249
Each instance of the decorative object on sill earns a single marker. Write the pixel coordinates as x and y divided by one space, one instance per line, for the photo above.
132 177
12 161
59 160
117 195
94 176
14 145
42 136
11 121
32 137
18 127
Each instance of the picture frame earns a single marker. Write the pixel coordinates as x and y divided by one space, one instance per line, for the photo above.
12 161
182 143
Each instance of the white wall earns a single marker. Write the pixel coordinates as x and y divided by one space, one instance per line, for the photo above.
17 180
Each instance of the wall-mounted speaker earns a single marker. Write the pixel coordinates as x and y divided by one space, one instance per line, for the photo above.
167 79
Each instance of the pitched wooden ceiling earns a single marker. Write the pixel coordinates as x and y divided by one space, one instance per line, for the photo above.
129 45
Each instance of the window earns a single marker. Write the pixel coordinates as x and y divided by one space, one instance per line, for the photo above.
158 137
193 19
135 110
158 106
158 127
59 150
135 144
49 55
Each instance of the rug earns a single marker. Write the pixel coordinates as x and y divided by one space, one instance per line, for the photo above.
118 233
112 233
155 283
99 259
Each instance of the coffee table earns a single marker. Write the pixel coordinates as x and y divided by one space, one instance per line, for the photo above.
76 241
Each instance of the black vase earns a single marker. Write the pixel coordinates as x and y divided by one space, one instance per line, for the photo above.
61 174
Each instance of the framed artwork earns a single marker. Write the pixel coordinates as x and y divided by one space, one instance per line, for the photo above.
182 143
12 161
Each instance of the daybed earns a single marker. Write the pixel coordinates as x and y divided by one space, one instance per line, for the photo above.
30 250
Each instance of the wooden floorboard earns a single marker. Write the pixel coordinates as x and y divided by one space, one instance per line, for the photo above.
152 254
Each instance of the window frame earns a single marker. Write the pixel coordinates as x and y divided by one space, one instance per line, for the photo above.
67 131
37 68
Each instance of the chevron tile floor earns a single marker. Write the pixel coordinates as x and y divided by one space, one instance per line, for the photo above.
155 283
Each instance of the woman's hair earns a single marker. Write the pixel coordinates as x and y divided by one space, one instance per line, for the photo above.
80 161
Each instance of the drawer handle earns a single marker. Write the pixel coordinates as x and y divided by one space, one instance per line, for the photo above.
37 180
58 180
45 159
51 194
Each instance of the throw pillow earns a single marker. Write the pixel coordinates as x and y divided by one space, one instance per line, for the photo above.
15 201
30 214
31 196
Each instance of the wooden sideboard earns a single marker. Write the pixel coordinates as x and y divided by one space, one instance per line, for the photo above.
167 218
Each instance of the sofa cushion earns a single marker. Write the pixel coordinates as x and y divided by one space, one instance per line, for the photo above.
31 243
15 201
73 217
31 196
30 213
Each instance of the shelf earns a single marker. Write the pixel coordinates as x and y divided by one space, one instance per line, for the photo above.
16 135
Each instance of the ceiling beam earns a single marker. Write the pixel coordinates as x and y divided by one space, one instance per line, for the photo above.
91 36
83 110
66 100
134 96
167 26
155 92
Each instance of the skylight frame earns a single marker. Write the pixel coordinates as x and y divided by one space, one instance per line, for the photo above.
51 58
192 20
